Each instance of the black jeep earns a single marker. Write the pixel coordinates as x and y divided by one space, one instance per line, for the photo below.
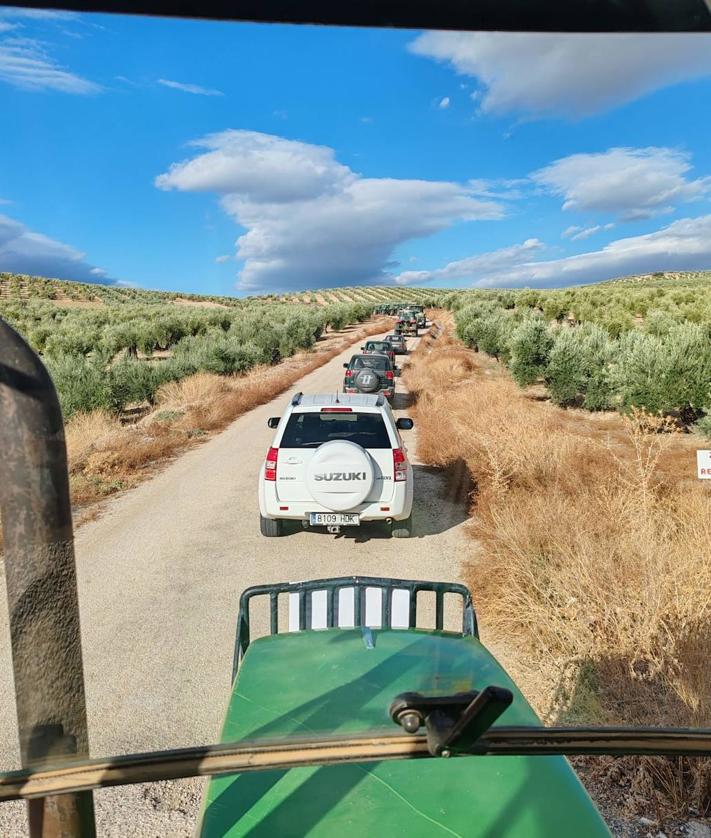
369 374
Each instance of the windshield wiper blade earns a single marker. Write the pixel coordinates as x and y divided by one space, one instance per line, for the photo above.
265 755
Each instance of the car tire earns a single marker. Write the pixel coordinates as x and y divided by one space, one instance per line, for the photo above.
402 529
271 527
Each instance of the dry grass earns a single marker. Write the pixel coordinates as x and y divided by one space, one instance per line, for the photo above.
106 456
592 571
87 432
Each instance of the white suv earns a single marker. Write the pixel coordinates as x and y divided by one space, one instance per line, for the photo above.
336 460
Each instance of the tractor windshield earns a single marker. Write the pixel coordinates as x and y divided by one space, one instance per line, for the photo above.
354 361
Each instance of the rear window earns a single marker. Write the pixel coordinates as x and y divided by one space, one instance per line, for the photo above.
371 362
376 344
309 430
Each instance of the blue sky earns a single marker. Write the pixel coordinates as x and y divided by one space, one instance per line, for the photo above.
242 158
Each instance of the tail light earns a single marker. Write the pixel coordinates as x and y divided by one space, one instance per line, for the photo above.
399 465
389 375
270 466
349 373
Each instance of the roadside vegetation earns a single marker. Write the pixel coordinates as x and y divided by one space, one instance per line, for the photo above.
590 560
143 374
107 347
637 343
107 454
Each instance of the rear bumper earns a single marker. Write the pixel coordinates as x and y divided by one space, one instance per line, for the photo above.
398 507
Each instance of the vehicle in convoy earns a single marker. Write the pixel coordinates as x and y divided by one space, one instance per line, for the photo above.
369 374
379 347
336 461
344 672
398 343
406 323
419 312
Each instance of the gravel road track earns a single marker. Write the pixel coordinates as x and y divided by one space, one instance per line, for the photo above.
160 574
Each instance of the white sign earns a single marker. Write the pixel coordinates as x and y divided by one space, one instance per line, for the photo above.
703 465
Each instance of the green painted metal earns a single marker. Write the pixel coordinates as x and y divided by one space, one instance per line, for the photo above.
329 682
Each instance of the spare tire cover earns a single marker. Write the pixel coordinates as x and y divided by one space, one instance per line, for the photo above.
367 381
340 475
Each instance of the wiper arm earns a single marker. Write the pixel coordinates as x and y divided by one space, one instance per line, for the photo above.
454 722
266 755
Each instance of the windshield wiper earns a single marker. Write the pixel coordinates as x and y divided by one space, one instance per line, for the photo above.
264 755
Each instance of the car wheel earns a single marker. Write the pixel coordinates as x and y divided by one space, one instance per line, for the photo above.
402 529
271 527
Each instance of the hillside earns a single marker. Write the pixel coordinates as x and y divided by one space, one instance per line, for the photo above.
66 293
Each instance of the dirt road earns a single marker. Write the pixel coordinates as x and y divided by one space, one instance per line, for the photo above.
160 574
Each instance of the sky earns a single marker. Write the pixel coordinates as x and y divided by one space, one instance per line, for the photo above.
227 158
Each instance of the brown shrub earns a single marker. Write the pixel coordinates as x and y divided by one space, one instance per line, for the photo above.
194 390
87 431
592 569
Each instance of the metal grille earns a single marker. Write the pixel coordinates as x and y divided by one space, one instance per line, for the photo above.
397 606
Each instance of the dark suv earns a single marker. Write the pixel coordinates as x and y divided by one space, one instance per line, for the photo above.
419 312
369 374
381 347
406 323
398 344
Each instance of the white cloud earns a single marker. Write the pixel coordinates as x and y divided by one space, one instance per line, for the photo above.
27 252
444 103
311 221
26 64
502 189
7 27
36 14
260 168
493 262
222 259
569 232
190 88
630 183
570 75
682 245
576 233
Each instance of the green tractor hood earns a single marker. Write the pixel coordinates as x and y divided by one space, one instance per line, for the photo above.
342 681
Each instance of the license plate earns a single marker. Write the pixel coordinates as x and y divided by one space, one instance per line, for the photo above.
330 519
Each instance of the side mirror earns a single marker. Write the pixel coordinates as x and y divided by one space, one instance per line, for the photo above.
404 424
362 348
345 366
397 372
273 421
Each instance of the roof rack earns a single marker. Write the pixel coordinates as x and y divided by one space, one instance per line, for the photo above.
296 398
